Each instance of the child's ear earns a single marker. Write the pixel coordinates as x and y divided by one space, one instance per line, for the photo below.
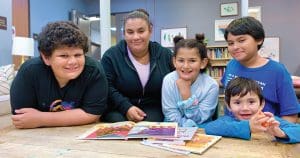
204 63
174 61
45 59
262 104
259 42
227 106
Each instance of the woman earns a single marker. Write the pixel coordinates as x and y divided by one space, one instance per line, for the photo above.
63 87
135 68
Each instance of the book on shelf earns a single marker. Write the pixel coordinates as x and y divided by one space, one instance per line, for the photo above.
198 144
218 52
129 129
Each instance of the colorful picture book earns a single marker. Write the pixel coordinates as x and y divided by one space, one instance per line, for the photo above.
198 144
128 129
183 134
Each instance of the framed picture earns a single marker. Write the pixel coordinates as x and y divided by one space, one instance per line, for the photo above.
255 12
220 26
167 35
229 9
270 48
3 23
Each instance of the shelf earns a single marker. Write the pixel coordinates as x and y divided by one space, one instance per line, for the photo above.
217 78
218 58
219 62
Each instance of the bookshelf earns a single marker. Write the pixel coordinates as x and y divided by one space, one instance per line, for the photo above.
219 57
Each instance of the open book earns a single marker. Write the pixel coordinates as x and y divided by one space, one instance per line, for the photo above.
128 129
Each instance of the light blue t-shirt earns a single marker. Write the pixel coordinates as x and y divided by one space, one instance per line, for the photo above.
197 109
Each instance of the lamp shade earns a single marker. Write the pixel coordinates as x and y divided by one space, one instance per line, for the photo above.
23 46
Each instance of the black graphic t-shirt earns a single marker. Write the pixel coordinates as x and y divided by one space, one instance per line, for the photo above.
35 86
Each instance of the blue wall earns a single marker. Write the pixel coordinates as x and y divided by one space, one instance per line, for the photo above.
278 18
44 11
6 35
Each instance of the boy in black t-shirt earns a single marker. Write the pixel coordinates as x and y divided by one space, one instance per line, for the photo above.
63 87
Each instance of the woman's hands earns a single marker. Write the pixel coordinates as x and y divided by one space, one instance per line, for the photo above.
135 114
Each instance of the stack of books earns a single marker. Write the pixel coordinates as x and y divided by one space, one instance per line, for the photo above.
163 135
189 140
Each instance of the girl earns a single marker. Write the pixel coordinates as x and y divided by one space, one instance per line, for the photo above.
189 95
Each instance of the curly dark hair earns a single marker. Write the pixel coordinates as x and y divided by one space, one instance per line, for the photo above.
61 34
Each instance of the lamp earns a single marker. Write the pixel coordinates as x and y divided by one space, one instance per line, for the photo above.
23 46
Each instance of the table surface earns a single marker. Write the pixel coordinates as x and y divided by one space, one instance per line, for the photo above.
62 142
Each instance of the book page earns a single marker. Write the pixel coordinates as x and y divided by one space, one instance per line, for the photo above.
117 130
153 129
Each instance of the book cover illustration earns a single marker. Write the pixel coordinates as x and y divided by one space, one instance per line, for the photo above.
183 134
153 130
129 129
117 130
199 143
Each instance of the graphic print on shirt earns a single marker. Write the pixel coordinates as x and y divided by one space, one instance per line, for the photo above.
59 105
230 76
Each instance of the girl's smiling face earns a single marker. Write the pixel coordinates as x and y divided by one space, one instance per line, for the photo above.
188 63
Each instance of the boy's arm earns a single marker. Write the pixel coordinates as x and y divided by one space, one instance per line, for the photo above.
291 118
32 118
229 127
292 131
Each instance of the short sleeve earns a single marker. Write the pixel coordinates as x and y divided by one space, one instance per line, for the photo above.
22 92
95 97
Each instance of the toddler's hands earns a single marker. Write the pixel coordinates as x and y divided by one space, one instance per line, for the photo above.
273 128
257 122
